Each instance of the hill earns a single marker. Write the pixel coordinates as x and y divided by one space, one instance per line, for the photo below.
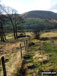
40 14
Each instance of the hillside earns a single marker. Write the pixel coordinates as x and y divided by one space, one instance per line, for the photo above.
34 20
40 14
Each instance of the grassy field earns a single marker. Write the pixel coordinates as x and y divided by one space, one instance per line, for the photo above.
49 34
38 63
39 52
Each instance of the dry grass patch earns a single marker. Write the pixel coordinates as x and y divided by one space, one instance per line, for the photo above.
13 59
49 34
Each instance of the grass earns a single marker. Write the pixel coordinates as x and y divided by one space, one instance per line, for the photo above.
12 63
10 50
12 56
49 48
49 34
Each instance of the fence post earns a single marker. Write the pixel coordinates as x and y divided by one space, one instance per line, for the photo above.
21 50
26 45
3 66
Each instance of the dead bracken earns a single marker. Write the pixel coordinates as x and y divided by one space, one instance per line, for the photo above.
41 56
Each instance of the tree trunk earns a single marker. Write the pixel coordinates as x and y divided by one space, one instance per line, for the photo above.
37 35
2 33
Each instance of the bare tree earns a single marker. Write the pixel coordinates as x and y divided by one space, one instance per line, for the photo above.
2 22
13 17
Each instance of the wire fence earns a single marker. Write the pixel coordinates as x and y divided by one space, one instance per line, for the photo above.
25 47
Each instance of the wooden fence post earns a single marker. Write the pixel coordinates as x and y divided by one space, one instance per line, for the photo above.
26 45
21 50
3 66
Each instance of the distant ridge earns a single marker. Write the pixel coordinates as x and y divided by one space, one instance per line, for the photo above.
40 14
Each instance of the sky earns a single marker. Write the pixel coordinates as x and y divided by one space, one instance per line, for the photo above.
23 6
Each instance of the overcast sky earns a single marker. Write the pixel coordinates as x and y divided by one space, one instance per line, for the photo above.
23 6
